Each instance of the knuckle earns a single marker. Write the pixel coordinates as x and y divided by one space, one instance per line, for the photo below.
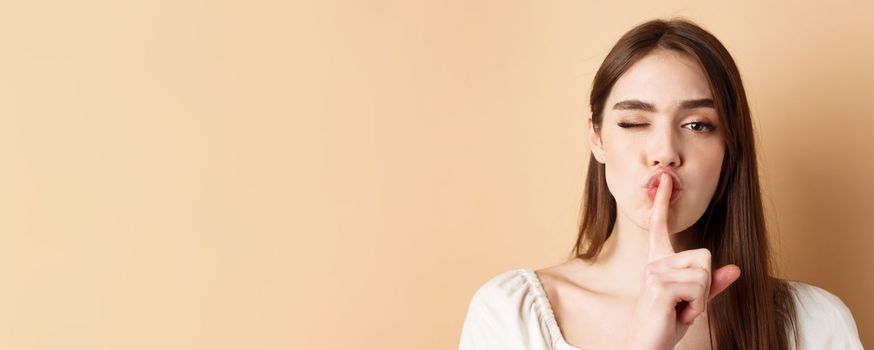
705 255
702 275
700 289
661 290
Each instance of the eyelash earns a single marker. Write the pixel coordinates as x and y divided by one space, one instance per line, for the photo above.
706 125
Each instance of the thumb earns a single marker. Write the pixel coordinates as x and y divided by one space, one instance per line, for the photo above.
722 278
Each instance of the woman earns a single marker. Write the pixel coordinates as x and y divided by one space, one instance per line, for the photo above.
672 251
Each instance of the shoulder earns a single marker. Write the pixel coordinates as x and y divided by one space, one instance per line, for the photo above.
503 295
511 291
813 302
507 286
510 311
823 320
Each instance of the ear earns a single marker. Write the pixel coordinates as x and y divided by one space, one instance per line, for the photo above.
595 143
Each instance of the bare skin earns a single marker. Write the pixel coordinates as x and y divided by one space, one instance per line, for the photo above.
595 311
628 298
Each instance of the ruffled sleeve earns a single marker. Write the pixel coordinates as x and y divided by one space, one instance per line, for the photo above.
824 321
510 311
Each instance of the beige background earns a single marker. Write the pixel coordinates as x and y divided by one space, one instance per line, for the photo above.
272 175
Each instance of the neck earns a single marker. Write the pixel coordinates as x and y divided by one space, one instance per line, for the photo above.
625 254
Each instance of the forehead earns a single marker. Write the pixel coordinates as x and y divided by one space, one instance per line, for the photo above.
662 77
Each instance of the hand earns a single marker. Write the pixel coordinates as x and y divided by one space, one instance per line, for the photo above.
676 287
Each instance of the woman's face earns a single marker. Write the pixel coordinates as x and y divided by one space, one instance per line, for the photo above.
660 116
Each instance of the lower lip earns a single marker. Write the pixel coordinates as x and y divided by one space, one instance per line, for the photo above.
651 192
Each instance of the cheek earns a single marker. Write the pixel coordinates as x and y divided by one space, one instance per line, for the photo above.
617 174
713 164
612 185
710 171
617 161
623 164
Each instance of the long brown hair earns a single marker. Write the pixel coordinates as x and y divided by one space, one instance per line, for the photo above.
756 311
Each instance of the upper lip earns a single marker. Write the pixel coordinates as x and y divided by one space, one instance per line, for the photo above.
676 183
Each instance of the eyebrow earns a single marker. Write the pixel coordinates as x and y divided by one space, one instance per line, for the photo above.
649 107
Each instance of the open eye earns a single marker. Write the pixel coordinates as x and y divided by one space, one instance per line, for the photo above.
700 126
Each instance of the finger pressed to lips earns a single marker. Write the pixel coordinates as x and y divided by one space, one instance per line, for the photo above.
651 194
652 187
660 204
660 242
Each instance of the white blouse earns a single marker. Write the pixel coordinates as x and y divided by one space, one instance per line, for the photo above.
511 311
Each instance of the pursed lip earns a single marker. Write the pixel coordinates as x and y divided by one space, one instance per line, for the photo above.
676 188
677 185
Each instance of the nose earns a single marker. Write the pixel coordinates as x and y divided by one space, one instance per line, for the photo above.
663 149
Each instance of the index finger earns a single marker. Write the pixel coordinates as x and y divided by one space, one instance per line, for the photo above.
659 237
